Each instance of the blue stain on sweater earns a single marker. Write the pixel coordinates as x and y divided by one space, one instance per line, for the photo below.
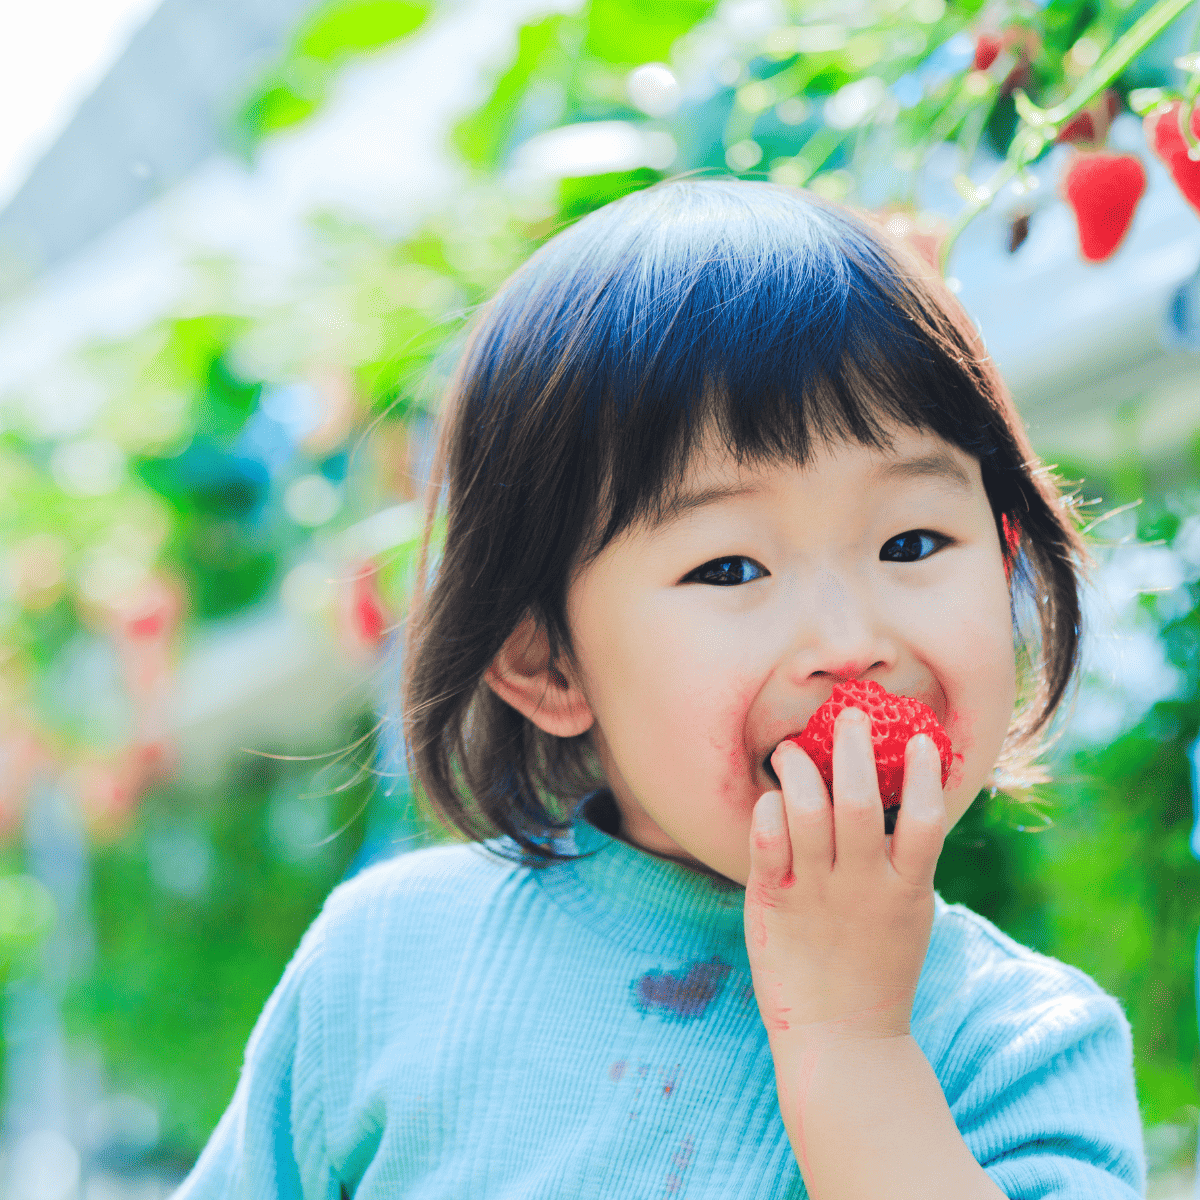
680 995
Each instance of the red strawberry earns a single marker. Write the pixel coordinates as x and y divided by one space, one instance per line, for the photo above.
1092 123
368 616
987 50
1080 128
894 719
1012 541
1025 46
1166 140
1104 189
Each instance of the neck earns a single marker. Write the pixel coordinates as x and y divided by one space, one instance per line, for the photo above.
602 811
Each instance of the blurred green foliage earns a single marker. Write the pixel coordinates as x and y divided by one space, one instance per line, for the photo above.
1095 871
331 36
198 910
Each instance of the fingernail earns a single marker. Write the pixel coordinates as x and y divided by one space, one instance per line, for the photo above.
922 744
768 813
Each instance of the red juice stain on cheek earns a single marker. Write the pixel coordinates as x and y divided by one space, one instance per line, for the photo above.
960 726
724 716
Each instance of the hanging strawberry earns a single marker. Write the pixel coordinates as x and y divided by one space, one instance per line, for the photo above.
108 790
367 615
987 50
1103 189
1021 41
1166 140
1091 125
1012 542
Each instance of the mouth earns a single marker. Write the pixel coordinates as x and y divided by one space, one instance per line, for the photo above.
769 770
889 814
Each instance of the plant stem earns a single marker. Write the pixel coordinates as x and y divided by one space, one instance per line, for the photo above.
1040 125
1118 56
1027 144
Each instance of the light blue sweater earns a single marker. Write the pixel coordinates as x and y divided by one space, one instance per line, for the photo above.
454 1026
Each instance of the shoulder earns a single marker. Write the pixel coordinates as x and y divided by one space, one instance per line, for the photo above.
990 1000
985 956
979 946
444 884
389 943
1036 1061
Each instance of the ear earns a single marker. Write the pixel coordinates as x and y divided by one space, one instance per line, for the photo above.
523 675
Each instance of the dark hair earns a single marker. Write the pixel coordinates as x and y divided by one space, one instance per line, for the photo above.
759 311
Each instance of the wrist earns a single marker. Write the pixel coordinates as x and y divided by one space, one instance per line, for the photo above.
878 1025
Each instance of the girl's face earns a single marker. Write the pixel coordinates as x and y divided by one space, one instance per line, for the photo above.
702 642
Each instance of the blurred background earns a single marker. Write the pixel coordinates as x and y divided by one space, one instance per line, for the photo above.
238 245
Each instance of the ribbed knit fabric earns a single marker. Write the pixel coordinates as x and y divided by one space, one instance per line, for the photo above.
454 1026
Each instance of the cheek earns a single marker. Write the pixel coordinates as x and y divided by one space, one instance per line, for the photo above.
980 708
698 732
675 721
971 660
728 741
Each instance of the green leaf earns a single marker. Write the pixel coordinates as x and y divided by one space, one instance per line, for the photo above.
226 402
483 137
275 108
193 343
339 31
580 196
297 87
630 31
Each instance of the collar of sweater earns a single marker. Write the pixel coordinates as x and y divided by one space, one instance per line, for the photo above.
643 902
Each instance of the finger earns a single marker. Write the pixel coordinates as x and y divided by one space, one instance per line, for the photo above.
921 825
857 808
770 843
810 817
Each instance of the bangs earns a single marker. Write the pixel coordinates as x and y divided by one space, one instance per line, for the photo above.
752 313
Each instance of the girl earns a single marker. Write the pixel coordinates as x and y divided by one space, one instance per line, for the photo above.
713 450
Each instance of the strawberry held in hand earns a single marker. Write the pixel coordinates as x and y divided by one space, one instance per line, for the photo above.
894 720
1104 190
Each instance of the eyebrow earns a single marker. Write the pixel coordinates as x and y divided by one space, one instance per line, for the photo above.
935 465
681 503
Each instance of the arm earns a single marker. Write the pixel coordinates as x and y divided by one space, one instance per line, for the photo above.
269 1144
868 1118
1041 1089
838 923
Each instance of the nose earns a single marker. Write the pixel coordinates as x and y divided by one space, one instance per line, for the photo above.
840 635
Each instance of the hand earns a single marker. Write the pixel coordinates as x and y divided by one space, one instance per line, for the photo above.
838 915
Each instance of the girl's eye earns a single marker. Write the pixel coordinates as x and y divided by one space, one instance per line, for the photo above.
912 546
727 572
